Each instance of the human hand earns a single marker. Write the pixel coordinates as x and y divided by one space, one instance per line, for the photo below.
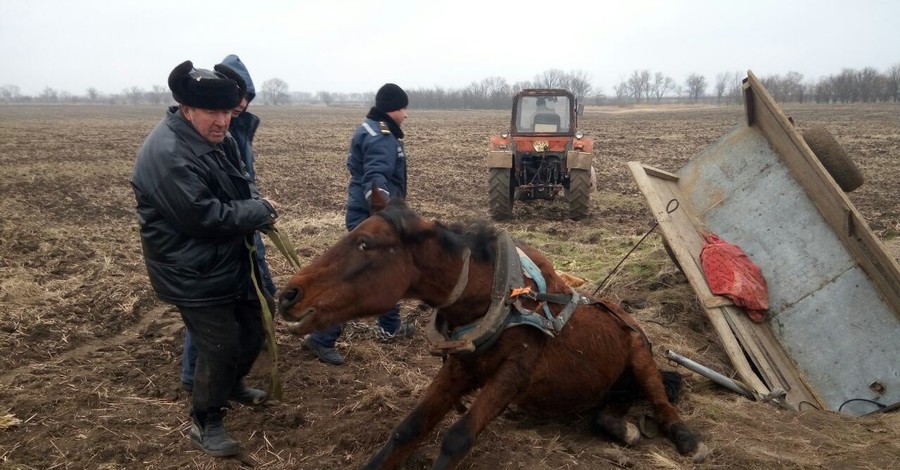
271 202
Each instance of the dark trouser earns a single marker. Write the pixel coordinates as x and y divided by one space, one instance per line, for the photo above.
390 321
189 357
228 339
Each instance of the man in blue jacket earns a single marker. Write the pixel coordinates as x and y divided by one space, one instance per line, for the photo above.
197 210
243 128
376 157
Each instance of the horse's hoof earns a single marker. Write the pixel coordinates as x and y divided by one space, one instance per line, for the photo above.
700 454
632 435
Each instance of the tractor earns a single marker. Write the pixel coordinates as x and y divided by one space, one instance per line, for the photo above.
541 154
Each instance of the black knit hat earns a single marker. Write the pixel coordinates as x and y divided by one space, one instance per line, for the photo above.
391 97
201 88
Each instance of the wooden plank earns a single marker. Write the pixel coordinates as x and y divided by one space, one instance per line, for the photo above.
770 358
717 301
663 174
834 205
679 229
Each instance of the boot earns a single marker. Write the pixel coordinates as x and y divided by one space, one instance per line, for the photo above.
208 434
246 395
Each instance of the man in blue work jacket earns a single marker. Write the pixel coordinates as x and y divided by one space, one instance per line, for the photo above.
376 157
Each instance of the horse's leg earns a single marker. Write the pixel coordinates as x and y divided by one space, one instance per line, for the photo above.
450 384
497 393
647 374
611 422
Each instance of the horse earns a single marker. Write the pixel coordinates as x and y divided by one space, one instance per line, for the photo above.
599 351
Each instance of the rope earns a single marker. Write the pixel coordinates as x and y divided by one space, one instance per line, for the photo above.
671 207
284 246
274 388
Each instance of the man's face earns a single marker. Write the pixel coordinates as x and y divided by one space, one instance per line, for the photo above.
240 108
211 124
399 115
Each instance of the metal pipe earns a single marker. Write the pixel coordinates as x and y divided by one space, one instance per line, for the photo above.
712 375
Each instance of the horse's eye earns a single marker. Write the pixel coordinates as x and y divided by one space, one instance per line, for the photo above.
362 246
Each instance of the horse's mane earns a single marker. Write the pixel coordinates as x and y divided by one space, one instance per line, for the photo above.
478 237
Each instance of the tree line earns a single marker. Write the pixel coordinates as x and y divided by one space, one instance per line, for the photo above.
867 85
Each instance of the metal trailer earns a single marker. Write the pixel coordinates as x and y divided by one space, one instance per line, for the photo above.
832 339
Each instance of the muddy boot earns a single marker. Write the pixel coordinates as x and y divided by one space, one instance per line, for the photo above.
208 434
246 395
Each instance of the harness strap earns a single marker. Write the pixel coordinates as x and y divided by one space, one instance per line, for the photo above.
274 387
461 282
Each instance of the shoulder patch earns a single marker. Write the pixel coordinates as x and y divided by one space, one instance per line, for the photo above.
384 127
369 129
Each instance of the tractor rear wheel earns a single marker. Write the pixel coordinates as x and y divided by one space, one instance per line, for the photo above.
500 193
832 156
579 193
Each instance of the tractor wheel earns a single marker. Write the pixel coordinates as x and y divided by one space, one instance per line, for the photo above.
500 193
833 158
579 193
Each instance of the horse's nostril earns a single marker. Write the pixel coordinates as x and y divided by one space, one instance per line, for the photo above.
289 298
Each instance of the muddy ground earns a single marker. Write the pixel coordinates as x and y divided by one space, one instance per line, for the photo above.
90 360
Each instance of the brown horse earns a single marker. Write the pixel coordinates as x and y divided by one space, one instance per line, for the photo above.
396 254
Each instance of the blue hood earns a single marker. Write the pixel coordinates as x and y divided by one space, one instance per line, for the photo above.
235 63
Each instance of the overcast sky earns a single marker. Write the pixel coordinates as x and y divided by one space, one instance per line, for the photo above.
355 46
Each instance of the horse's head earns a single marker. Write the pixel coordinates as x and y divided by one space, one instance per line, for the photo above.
365 273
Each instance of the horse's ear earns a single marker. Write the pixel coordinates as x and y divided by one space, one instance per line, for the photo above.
378 200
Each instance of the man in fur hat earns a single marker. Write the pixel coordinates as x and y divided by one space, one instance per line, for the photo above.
197 208
376 157
243 128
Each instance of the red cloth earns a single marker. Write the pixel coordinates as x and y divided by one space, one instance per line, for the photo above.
730 272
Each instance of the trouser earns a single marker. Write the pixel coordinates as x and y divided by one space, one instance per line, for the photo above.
228 339
189 356
389 321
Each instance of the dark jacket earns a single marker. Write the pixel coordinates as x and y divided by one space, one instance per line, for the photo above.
196 207
376 156
243 128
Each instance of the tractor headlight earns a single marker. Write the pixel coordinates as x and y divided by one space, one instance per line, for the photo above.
504 134
579 134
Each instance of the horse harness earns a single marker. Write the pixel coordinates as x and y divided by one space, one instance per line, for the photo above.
511 267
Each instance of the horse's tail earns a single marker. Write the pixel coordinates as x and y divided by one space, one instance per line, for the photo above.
672 382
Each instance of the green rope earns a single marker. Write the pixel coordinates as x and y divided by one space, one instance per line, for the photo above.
274 389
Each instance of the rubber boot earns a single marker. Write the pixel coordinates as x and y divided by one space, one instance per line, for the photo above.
208 434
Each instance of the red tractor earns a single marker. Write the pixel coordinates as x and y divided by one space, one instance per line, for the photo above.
542 154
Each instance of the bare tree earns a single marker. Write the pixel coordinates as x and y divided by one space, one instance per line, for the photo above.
695 86
722 81
49 95
622 91
325 97
579 83
867 83
275 91
134 95
552 78
639 85
843 86
661 85
9 93
92 94
893 82
157 94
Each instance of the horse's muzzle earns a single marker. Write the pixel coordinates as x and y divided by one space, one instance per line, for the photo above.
288 298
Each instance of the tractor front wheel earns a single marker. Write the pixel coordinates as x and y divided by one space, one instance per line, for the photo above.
500 193
579 193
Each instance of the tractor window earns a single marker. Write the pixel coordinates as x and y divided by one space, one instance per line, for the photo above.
543 114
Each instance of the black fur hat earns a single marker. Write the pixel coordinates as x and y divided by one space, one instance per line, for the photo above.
391 97
201 88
